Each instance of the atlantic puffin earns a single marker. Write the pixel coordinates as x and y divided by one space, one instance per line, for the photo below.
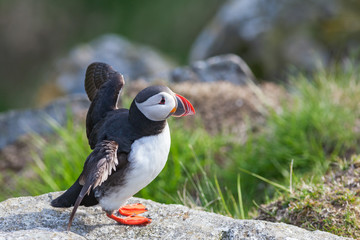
129 146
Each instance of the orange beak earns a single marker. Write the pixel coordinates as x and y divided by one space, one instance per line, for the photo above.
184 107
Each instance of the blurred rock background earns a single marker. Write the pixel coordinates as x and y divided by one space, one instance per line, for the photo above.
271 35
45 44
35 33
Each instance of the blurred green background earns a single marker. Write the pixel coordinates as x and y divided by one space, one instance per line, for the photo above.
36 32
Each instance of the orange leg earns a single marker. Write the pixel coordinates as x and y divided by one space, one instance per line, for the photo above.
131 220
131 209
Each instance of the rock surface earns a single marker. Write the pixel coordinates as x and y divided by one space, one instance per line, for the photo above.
229 67
33 217
271 34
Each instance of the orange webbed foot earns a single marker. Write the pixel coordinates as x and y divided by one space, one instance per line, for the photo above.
131 209
131 220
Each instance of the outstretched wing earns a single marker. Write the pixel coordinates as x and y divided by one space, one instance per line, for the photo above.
102 85
97 168
96 75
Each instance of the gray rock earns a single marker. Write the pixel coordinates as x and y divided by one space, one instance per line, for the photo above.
132 60
227 67
33 215
272 35
17 123
40 234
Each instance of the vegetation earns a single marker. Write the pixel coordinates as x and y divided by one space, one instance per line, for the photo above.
331 205
292 151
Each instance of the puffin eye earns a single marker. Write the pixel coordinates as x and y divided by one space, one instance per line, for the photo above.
162 100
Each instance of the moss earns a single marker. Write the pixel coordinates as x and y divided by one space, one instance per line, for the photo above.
332 205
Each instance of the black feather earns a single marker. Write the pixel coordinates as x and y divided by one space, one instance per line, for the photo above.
68 198
97 168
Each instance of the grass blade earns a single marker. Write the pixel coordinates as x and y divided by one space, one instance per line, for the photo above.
221 196
291 176
265 179
241 206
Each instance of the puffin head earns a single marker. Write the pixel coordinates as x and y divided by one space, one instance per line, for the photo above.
157 103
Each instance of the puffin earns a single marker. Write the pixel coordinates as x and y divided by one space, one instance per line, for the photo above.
130 147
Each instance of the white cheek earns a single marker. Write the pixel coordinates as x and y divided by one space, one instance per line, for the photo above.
154 111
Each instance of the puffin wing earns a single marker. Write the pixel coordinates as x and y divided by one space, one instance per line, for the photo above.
102 85
97 168
96 75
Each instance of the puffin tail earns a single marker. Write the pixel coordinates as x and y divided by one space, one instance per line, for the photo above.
68 198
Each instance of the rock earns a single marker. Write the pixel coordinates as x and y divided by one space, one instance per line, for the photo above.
225 108
228 67
271 35
14 155
40 234
17 123
33 215
132 60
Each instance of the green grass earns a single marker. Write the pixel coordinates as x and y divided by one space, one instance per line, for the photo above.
56 166
220 173
316 124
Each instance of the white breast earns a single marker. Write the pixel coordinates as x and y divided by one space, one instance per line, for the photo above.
147 158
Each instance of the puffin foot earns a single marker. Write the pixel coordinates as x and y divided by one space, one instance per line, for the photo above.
131 209
131 220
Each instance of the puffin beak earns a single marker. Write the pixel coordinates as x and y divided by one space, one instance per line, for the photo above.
184 107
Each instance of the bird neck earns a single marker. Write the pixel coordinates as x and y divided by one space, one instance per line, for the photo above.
142 124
